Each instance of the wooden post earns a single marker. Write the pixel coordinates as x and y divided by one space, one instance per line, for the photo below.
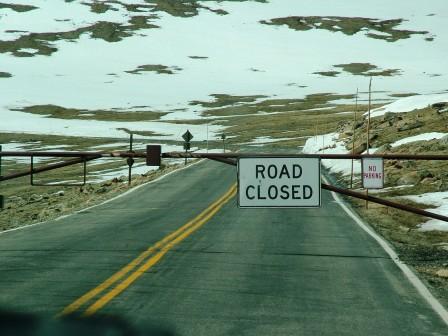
368 129
130 160
2 199
207 136
353 137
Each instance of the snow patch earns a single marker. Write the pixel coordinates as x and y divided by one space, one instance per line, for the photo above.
410 104
265 139
419 137
438 199
329 144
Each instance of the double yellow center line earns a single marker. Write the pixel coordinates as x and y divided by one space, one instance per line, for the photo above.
137 267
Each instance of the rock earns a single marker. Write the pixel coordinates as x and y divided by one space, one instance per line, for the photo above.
57 208
88 188
373 137
15 201
101 190
389 116
407 126
409 178
398 165
35 198
439 107
34 216
384 148
45 196
443 273
410 164
443 184
120 179
428 180
444 140
425 174
59 193
345 135
360 148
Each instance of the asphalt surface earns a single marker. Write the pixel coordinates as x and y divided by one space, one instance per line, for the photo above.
244 272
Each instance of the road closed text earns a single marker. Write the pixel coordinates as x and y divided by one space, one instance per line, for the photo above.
283 191
279 182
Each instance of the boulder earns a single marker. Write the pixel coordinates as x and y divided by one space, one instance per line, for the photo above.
409 178
58 207
439 107
410 164
101 190
35 198
360 148
389 116
444 140
443 183
410 126
425 174
345 135
428 180
384 148
58 193
88 188
443 273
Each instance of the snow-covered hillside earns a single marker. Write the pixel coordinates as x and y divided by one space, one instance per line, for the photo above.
147 55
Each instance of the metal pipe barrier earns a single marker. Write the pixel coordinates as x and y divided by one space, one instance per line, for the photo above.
230 158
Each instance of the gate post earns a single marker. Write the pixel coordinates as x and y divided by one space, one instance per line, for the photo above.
2 198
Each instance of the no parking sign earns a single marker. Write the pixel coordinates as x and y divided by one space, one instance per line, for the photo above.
372 173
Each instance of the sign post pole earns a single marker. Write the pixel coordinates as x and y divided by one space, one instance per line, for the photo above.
187 136
2 199
223 138
368 129
130 161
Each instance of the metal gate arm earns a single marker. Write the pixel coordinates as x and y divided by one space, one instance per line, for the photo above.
391 204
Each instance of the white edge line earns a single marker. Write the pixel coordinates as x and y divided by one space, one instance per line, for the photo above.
415 281
102 203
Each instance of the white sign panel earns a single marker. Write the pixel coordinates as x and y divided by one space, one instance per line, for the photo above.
372 173
274 182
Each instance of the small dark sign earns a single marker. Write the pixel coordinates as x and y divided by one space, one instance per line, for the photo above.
187 136
153 153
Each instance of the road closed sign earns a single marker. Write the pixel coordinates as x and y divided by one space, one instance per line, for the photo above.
274 182
372 173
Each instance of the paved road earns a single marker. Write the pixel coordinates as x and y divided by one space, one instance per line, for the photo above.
225 271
